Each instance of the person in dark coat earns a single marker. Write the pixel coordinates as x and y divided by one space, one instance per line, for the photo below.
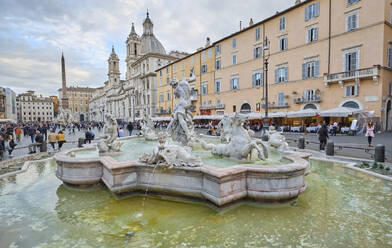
323 136
130 128
31 132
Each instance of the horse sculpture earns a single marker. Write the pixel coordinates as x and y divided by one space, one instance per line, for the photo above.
240 144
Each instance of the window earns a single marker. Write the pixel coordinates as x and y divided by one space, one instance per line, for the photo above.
203 68
234 83
168 95
167 80
191 72
389 89
192 60
351 61
160 82
390 56
204 88
352 21
217 64
160 73
281 74
217 49
234 43
209 53
257 79
282 23
283 43
311 69
281 99
352 90
182 64
312 34
312 11
174 67
234 59
349 2
257 52
234 108
167 70
257 33
203 56
217 86
161 97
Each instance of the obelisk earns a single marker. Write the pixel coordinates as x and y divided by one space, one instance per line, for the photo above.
64 98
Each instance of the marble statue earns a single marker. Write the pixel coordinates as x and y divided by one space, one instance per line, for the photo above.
109 143
276 140
65 116
147 128
181 125
240 143
224 128
171 155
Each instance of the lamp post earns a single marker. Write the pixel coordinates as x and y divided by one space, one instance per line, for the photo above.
266 57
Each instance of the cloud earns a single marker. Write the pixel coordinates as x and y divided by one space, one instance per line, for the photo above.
34 33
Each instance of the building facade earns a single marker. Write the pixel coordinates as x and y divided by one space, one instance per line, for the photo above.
322 54
78 99
136 96
34 108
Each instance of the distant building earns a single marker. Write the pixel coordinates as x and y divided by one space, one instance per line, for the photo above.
10 104
77 100
2 103
33 108
55 101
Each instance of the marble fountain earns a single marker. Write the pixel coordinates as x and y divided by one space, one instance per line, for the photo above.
180 163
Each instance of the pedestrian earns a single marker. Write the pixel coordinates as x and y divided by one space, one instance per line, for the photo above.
18 133
120 132
334 128
130 128
39 139
60 139
323 136
11 145
31 132
370 132
52 138
88 136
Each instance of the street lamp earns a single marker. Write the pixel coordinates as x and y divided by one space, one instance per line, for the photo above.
266 55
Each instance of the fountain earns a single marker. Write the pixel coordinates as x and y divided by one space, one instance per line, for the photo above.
187 165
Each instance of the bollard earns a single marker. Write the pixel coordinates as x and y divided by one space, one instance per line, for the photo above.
330 150
379 153
80 142
301 142
43 147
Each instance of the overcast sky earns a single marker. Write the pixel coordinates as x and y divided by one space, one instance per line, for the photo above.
33 33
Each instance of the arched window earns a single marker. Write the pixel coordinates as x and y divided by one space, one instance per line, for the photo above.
351 104
310 106
245 108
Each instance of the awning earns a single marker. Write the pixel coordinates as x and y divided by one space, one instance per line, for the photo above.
302 113
7 120
161 118
208 117
341 112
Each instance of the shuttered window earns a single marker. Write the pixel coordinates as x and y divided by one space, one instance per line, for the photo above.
283 43
312 34
352 22
351 61
282 23
281 99
311 69
257 33
281 74
257 52
390 56
352 90
257 79
312 11
234 83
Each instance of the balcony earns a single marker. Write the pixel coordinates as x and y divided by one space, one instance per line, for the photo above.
357 75
273 105
217 106
301 100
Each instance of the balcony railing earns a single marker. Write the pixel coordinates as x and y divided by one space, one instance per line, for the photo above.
372 72
217 106
309 100
273 105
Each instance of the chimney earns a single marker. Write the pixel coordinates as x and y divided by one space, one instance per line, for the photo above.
250 22
297 2
208 42
240 25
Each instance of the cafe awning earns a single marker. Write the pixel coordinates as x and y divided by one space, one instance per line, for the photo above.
302 113
340 112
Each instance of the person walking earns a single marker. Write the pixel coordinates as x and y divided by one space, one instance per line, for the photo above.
323 136
130 128
60 139
370 132
11 145
18 133
31 132
121 132
52 138
334 128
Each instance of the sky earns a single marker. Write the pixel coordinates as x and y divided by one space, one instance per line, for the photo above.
34 33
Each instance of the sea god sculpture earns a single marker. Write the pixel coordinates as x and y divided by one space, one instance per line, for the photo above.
109 144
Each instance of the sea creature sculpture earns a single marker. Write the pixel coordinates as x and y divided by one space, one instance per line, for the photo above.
147 128
277 140
109 143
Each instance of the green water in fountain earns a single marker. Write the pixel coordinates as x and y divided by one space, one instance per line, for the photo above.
132 149
340 208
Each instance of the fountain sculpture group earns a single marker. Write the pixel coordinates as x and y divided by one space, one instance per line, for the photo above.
181 172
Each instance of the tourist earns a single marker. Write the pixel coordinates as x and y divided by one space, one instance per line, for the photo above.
52 138
11 145
60 139
120 132
323 136
1 147
18 133
31 132
334 128
39 139
370 132
88 135
130 128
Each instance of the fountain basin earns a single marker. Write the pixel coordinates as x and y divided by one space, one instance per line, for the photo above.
220 186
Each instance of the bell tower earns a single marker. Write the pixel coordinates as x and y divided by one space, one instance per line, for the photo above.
133 50
114 68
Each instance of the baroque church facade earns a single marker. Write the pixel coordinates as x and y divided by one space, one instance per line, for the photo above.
136 96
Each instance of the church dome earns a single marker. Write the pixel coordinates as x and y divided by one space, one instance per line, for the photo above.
149 43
